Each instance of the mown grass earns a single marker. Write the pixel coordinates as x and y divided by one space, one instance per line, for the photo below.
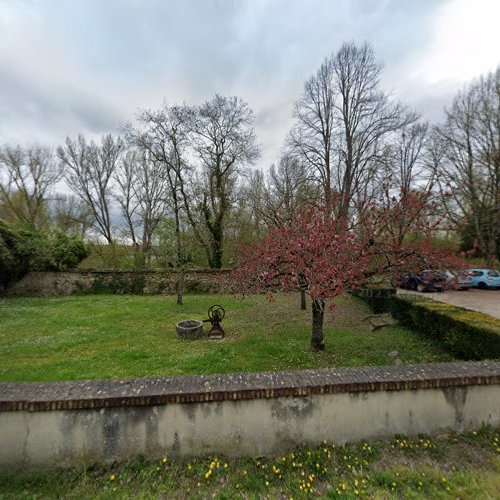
112 336
465 466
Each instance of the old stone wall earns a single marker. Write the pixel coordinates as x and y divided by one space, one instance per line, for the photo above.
148 281
64 423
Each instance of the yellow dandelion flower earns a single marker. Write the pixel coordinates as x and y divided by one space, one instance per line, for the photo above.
267 483
112 477
164 460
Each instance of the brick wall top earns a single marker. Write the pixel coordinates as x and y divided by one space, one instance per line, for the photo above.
203 388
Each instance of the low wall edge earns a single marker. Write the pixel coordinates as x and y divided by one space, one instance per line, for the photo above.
94 394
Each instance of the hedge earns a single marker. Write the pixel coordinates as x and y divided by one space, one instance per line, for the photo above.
23 250
467 334
379 299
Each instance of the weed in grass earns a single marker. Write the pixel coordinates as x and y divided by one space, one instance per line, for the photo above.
365 470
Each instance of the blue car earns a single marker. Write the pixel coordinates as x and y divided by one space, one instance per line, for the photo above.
485 278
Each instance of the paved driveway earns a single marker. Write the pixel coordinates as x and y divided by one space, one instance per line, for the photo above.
486 301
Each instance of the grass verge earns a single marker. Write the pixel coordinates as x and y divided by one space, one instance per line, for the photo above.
453 466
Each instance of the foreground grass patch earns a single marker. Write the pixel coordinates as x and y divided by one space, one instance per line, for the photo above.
454 466
113 336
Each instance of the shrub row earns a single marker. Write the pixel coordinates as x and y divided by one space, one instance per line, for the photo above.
467 334
379 299
23 250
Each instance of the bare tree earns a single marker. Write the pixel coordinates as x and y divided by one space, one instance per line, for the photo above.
27 176
289 188
88 170
470 162
164 136
223 141
70 215
141 194
342 120
408 159
312 138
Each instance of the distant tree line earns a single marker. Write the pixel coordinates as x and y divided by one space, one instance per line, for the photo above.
179 185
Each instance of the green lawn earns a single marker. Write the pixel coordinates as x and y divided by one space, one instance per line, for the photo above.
465 466
112 336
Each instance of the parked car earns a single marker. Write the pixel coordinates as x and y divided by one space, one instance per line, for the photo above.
426 281
485 278
458 280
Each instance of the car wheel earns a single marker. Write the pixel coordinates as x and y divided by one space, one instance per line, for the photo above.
482 285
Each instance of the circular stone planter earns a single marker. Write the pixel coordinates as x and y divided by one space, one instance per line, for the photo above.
189 329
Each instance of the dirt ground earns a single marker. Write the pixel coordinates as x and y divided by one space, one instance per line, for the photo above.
486 301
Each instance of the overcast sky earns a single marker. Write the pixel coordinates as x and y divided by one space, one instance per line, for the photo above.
71 66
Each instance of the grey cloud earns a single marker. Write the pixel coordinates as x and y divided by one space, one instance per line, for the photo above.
126 54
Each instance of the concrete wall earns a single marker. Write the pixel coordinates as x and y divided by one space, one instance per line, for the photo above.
244 421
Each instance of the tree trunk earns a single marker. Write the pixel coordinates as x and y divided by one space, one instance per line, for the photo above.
180 287
303 300
318 314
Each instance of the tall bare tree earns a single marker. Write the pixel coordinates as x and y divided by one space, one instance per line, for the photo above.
224 142
164 135
470 163
27 176
141 193
408 158
289 187
342 120
70 215
88 169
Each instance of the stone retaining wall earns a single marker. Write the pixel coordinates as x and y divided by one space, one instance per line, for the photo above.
147 281
63 423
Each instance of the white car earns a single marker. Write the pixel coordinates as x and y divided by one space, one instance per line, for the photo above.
458 280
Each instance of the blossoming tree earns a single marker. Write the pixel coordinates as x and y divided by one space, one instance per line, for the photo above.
328 256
